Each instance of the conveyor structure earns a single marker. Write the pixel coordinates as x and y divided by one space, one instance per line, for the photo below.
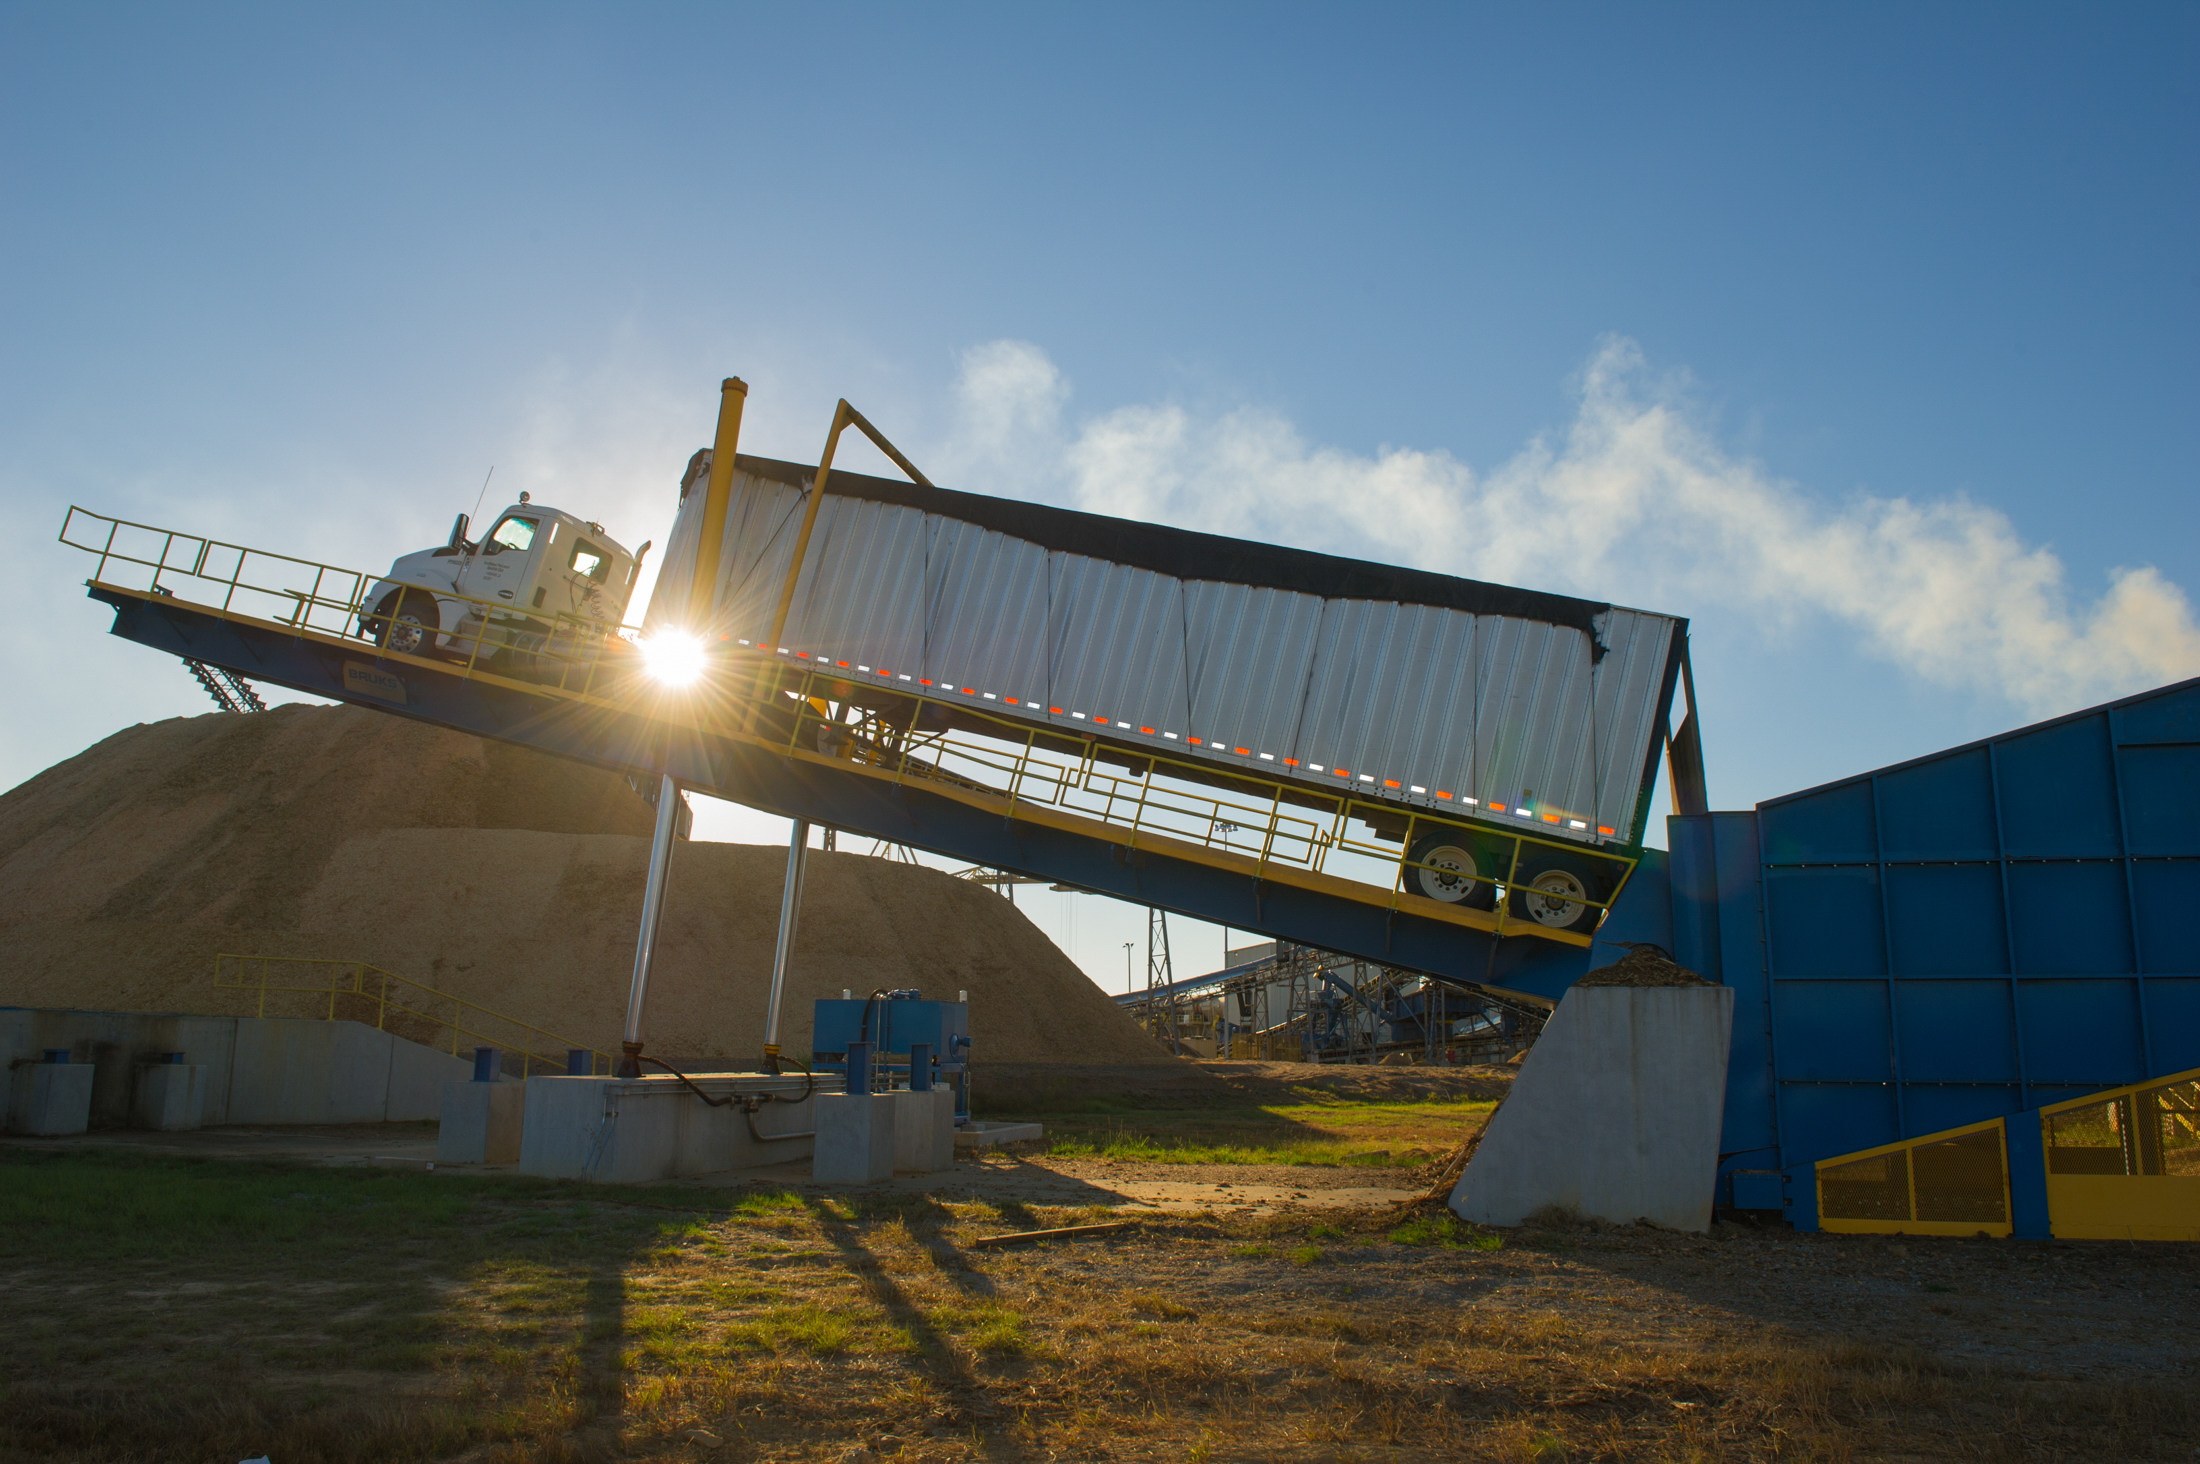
1974 940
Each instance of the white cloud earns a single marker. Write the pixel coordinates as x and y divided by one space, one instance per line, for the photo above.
1635 502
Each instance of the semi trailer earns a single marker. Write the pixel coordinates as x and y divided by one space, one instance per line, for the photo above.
1512 736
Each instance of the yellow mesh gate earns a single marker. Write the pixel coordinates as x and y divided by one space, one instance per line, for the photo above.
2125 1164
1950 1183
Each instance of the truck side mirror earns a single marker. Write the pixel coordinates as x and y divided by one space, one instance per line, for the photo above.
458 533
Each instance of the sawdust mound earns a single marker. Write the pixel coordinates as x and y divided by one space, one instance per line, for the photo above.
495 873
1643 965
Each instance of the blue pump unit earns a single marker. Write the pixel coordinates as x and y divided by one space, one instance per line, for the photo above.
895 1023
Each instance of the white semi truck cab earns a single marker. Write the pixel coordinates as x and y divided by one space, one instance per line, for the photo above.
538 577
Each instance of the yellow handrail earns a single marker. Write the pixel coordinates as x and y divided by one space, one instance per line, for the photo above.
380 994
574 646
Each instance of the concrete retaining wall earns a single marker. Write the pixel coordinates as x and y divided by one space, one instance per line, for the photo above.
1615 1113
269 1070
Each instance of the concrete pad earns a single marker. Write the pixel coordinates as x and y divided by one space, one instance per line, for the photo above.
924 1131
855 1138
976 1135
645 1130
47 1099
170 1096
1615 1114
481 1123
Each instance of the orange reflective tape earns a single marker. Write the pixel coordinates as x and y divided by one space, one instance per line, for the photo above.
1390 782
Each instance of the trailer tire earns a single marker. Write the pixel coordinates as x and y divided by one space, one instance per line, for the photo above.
1457 873
407 623
1555 897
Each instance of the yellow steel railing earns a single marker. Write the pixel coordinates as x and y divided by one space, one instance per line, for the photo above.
1275 824
350 988
553 647
1291 831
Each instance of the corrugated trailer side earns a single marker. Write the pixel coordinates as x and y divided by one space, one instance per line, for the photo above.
1511 708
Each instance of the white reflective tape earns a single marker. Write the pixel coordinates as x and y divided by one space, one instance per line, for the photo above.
905 676
1267 757
1170 735
1317 767
1575 823
1419 789
1080 716
863 668
1367 777
989 696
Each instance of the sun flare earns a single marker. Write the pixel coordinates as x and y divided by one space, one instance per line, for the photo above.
673 657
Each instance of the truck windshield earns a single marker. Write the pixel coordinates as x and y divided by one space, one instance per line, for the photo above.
514 533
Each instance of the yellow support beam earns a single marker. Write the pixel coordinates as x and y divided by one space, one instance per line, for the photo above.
733 395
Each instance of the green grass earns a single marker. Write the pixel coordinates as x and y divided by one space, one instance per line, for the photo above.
985 1327
1314 1131
810 1329
1447 1232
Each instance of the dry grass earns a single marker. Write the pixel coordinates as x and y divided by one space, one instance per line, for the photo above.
419 1317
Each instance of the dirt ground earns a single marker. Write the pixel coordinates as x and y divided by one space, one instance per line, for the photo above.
1252 1312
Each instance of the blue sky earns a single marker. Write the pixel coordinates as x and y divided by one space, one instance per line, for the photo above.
1861 335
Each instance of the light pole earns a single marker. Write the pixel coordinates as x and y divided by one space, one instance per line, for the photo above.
1128 983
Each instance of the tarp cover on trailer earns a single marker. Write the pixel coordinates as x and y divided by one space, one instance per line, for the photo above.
1394 683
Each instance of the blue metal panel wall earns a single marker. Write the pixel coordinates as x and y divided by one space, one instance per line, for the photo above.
1971 934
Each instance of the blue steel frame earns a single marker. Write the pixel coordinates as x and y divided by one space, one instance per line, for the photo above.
1961 937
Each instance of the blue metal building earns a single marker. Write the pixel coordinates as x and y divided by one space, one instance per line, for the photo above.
1962 937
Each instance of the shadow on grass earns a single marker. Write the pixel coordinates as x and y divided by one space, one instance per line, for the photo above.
962 1395
189 1308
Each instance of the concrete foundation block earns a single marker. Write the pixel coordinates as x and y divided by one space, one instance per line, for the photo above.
855 1138
1615 1114
50 1099
642 1130
482 1123
169 1096
924 1131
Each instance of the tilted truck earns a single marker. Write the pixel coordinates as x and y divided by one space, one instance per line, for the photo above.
538 577
1512 736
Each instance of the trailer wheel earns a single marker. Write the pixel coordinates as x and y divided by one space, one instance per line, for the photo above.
407 622
1452 874
1556 898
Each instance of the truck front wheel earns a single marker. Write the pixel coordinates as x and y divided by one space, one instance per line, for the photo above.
407 623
